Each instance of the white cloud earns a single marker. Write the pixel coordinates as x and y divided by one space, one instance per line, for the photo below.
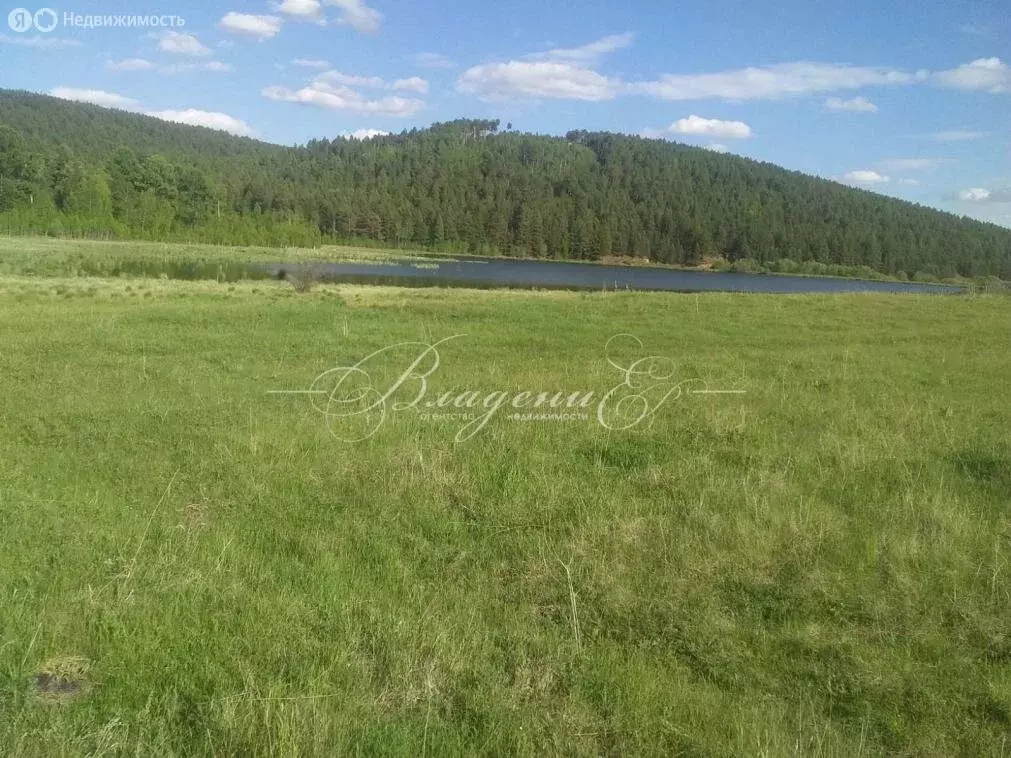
357 15
716 147
866 177
178 43
590 52
257 27
302 10
910 182
353 13
139 64
981 195
540 79
569 73
340 97
210 119
710 127
350 80
130 64
769 82
185 68
311 63
855 105
412 84
560 73
364 134
957 135
40 42
94 96
974 195
328 85
433 60
984 74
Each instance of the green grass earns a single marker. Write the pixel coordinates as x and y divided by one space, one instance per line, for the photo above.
44 256
192 566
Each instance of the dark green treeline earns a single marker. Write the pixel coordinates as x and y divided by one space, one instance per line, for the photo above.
465 186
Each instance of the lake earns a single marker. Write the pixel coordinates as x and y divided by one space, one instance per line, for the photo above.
488 273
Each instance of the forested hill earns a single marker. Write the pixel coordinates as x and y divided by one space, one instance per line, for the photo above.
467 186
93 133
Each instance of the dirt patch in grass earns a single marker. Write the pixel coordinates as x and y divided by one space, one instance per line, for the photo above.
62 679
195 516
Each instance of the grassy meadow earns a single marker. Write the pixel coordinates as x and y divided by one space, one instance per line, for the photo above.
49 257
194 566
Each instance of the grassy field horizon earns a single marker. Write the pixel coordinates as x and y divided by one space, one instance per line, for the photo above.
193 565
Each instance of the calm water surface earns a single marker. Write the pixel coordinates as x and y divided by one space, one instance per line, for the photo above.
525 274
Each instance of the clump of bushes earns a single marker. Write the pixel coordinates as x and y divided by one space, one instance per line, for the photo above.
801 268
303 278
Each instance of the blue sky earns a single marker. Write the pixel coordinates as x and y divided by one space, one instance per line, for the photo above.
911 100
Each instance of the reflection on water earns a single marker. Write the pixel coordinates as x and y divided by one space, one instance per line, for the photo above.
492 273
